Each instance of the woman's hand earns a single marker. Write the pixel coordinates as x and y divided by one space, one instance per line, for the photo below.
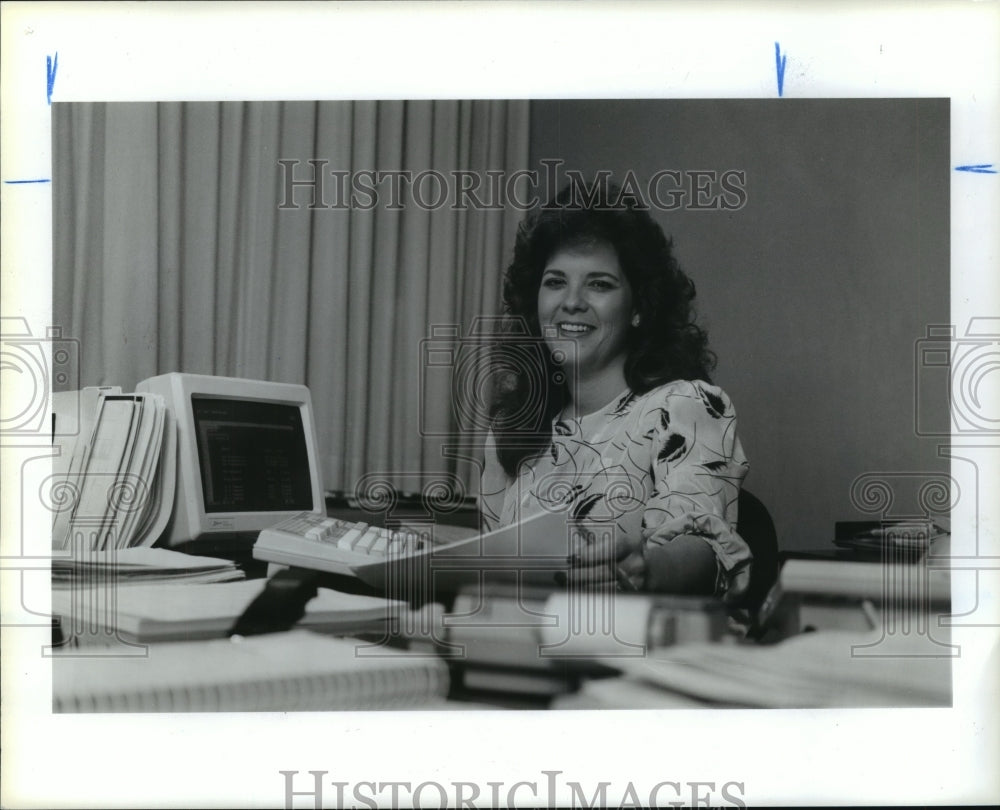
599 554
685 564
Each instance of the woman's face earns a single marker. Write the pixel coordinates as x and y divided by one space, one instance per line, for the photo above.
584 296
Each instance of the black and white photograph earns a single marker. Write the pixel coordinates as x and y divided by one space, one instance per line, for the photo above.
365 418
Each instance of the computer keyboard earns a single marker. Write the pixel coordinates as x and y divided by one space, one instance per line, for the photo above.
375 555
354 540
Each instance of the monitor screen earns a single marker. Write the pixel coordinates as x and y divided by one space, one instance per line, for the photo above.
246 457
252 455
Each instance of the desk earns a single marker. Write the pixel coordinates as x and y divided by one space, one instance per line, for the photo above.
513 680
821 669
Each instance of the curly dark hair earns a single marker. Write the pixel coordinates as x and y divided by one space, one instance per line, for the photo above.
667 344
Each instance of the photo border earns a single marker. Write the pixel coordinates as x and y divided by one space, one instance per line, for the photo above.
413 50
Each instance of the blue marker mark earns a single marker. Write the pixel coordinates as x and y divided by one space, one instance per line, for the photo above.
779 64
51 66
977 168
21 182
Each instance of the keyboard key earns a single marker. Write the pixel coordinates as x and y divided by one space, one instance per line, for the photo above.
367 539
348 539
380 544
357 537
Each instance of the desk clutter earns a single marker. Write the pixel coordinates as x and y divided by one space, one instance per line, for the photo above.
401 610
517 646
535 641
526 642
171 647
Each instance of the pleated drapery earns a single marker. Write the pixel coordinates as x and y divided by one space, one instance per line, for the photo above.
172 253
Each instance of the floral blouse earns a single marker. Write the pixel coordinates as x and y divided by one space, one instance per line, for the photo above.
660 464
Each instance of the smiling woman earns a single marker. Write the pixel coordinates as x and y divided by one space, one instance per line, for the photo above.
584 296
618 422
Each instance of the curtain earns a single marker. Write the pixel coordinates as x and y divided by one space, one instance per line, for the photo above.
177 247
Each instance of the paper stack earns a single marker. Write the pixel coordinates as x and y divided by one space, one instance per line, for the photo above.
139 565
833 669
186 611
116 476
891 537
824 669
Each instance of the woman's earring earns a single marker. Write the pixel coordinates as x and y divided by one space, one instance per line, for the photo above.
635 319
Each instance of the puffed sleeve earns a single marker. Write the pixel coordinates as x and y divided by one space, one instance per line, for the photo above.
697 464
492 486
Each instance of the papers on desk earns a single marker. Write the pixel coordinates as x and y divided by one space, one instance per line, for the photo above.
625 693
893 537
888 659
915 583
114 480
168 612
813 670
294 671
844 595
130 566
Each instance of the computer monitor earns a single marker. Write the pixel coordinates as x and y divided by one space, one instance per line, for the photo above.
246 458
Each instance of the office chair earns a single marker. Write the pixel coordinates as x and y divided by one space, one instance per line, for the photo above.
754 524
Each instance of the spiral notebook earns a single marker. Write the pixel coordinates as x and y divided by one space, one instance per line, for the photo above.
294 671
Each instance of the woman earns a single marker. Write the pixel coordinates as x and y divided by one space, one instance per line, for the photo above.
617 420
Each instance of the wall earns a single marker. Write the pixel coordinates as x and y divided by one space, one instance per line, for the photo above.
816 291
